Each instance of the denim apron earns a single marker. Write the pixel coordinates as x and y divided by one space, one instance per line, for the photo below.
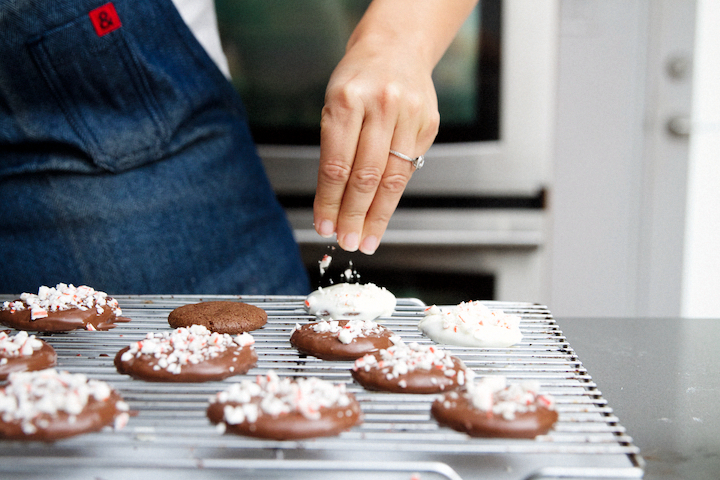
126 162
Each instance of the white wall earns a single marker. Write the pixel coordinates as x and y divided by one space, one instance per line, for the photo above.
701 269
597 172
619 197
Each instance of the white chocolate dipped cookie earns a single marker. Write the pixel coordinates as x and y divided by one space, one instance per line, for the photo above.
351 301
471 324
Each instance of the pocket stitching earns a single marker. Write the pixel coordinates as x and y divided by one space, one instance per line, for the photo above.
81 127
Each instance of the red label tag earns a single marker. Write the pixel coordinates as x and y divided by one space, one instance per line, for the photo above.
105 19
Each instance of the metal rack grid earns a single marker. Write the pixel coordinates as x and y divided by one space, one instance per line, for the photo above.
170 434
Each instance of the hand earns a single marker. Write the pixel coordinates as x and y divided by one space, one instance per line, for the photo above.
379 98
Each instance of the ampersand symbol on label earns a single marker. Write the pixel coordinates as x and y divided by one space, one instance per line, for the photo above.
105 19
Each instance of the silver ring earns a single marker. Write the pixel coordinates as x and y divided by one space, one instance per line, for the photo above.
417 162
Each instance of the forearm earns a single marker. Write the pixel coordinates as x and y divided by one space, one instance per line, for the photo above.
424 28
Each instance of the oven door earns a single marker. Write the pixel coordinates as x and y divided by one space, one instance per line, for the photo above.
441 255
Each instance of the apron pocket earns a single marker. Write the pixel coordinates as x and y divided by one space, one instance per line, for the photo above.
104 91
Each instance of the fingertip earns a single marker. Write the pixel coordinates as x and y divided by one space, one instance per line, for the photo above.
349 242
369 245
325 228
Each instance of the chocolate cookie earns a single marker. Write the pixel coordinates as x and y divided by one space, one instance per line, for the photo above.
219 316
57 405
22 353
490 408
340 339
191 354
62 308
284 409
410 368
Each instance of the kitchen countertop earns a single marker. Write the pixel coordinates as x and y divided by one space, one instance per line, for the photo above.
662 379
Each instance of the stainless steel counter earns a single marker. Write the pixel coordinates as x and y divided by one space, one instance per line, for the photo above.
662 377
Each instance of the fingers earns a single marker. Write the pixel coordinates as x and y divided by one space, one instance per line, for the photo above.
392 184
359 182
340 130
368 172
356 175
384 203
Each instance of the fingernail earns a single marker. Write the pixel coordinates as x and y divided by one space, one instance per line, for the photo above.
350 242
326 229
369 245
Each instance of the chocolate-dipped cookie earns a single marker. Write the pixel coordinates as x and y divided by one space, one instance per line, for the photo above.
193 354
340 339
57 405
219 316
284 409
410 368
491 408
62 308
23 353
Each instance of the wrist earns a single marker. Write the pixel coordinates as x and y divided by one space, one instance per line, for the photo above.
421 31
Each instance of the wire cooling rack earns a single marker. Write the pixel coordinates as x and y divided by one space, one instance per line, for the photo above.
171 437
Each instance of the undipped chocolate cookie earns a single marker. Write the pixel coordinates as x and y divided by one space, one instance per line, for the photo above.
219 316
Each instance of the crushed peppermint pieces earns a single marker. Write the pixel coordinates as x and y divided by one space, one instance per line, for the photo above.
271 395
347 332
184 346
403 358
62 297
20 344
324 264
493 394
29 395
473 314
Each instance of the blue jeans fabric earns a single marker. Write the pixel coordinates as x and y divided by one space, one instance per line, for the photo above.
126 162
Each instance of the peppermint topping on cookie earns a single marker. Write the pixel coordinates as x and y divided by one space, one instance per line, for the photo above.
347 332
185 345
493 394
402 358
62 297
30 395
471 324
272 395
20 344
